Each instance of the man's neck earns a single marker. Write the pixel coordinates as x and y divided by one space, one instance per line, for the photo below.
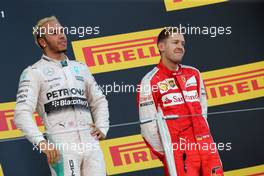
170 65
56 56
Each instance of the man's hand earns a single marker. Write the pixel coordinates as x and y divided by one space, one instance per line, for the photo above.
52 154
97 133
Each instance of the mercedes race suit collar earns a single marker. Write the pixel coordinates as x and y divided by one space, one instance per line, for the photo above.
62 63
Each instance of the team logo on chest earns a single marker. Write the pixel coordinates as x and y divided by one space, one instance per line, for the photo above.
167 84
183 79
48 71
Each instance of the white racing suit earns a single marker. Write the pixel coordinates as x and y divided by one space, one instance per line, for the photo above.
69 100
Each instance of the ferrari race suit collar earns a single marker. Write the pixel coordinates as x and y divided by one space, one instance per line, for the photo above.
168 72
62 63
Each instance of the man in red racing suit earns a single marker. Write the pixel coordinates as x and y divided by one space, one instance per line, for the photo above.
179 91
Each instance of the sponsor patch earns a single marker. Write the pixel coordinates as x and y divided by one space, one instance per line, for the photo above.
146 103
191 82
145 98
79 78
64 103
163 86
216 171
171 83
171 99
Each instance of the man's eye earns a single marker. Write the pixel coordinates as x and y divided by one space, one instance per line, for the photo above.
61 31
51 32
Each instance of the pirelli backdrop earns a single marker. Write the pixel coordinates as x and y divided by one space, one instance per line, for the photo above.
117 40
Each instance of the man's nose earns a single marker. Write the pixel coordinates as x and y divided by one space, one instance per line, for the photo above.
180 47
62 36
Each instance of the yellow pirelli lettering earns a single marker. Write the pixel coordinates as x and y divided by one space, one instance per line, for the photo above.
118 52
128 154
7 125
234 84
1 171
185 4
250 171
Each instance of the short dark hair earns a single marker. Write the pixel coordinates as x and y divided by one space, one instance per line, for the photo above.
165 33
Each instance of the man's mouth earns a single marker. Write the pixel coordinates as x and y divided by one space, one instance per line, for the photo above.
179 51
63 42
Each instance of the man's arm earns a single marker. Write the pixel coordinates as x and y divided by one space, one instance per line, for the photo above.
98 105
203 99
147 115
27 97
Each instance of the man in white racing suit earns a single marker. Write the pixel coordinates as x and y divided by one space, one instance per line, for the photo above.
73 108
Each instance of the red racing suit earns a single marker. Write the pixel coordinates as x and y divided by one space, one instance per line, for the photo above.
180 94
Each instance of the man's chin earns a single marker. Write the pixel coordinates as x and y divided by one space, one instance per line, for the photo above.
177 61
63 50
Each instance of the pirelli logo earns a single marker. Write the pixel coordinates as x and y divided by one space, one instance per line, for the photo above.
1 171
234 84
250 171
118 52
7 126
128 154
185 4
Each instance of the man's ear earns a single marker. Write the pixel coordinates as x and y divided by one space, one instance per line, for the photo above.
161 46
42 42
